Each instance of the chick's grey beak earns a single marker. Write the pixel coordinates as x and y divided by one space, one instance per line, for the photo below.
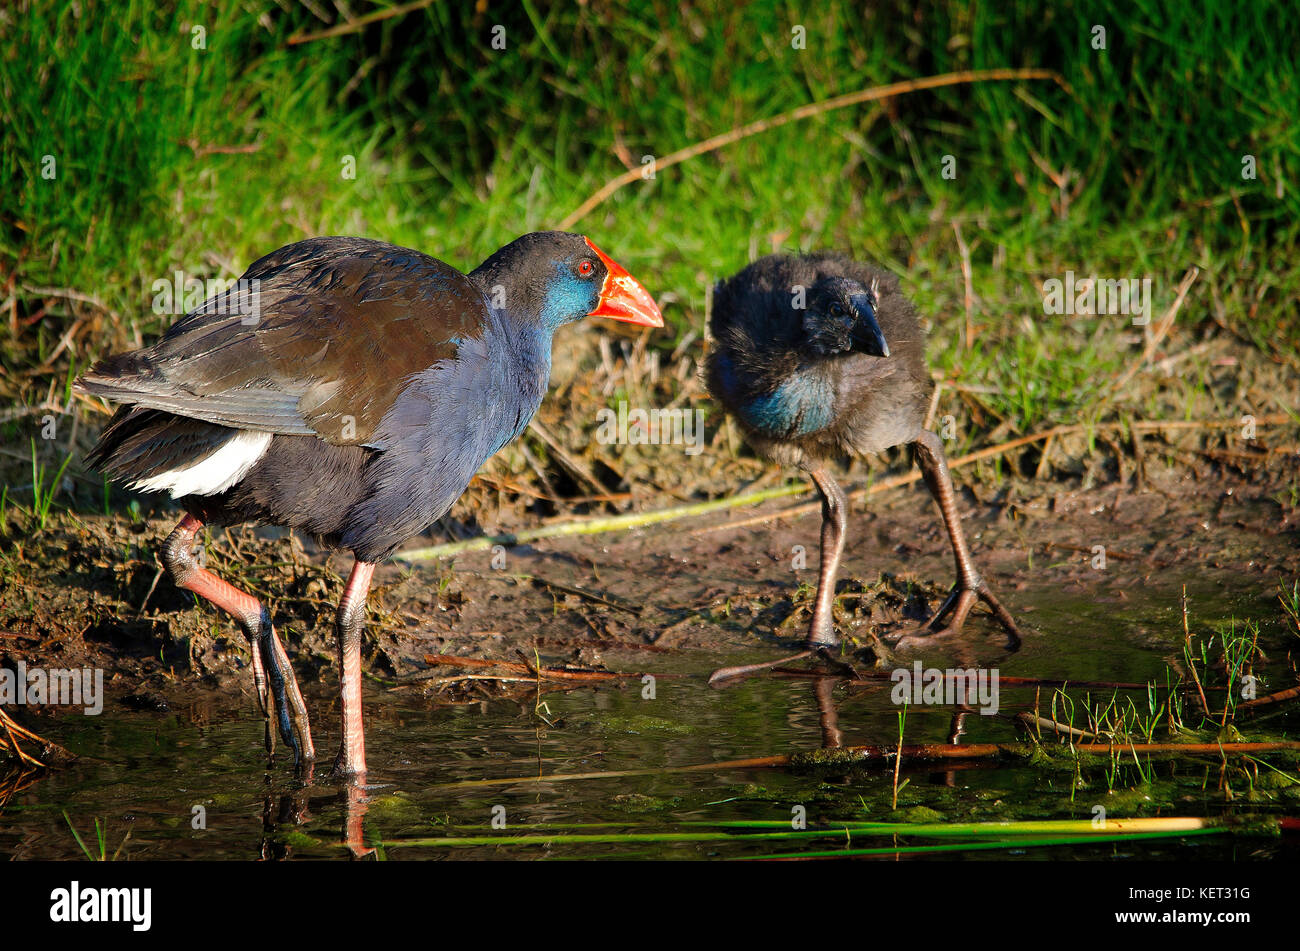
867 336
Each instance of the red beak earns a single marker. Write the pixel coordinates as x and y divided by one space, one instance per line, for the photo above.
622 297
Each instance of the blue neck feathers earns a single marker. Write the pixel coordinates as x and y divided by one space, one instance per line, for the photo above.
800 404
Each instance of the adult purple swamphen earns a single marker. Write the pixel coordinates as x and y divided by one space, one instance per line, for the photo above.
349 388
819 357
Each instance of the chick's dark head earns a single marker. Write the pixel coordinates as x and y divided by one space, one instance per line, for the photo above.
840 317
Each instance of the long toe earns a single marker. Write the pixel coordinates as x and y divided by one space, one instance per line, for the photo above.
1002 614
724 674
837 667
283 720
950 604
292 699
960 610
265 695
966 598
279 675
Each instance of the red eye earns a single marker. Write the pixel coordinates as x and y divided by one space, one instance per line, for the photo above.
585 268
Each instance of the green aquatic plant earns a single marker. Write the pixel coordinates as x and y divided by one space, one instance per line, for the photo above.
101 840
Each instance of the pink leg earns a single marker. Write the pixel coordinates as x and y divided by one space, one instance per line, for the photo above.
351 762
280 698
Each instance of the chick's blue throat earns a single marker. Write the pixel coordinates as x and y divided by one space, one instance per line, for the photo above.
800 405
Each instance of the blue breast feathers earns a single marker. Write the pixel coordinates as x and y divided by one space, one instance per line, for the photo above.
800 404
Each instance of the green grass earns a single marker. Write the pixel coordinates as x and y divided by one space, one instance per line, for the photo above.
44 489
459 147
100 854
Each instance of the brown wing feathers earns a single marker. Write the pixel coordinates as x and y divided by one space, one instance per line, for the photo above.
339 327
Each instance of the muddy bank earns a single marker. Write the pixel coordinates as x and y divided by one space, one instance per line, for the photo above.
89 592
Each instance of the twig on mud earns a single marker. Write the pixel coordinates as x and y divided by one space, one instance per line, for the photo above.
51 754
461 678
152 586
804 112
596 526
539 672
1117 555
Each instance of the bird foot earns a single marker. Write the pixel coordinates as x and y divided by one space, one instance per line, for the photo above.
279 696
956 608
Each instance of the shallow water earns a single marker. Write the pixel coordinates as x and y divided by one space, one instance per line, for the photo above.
145 773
